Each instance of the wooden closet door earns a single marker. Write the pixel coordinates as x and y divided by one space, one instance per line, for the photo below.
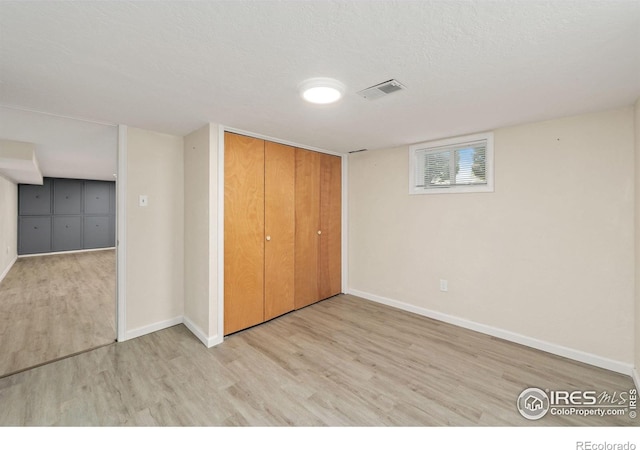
279 269
330 255
243 232
307 214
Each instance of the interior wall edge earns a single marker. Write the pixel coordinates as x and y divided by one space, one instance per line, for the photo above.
208 341
8 224
216 242
121 235
539 344
6 271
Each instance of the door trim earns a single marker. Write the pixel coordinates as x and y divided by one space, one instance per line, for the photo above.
121 236
220 237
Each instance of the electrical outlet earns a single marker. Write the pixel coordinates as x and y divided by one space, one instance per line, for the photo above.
444 285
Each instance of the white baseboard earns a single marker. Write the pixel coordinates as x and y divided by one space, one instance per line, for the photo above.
6 271
208 341
137 332
85 250
636 378
577 355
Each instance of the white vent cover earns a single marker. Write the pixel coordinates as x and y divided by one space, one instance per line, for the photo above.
382 89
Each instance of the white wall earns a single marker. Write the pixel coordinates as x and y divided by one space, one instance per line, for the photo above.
200 235
549 255
196 229
155 233
8 224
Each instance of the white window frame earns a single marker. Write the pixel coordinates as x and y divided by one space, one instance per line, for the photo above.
441 145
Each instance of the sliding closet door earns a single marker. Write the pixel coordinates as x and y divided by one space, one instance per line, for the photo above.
243 232
307 227
282 230
329 258
280 166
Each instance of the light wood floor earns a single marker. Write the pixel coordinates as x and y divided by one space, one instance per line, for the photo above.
341 362
54 306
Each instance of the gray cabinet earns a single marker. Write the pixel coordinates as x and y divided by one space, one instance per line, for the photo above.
96 231
96 197
67 197
35 199
66 214
34 234
112 231
67 233
112 199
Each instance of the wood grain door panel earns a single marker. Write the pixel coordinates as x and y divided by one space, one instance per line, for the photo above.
280 170
243 232
307 213
329 257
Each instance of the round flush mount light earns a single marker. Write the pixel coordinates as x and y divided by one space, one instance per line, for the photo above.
321 90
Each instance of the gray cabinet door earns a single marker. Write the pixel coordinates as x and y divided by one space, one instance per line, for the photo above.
35 235
112 198
35 200
67 233
112 231
67 196
96 197
96 231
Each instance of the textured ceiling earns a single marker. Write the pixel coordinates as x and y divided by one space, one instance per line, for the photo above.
467 65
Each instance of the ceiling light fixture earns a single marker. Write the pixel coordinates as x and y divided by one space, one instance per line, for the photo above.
321 90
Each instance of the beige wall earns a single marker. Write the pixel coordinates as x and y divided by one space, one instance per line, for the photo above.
200 193
155 233
548 255
196 228
637 266
8 223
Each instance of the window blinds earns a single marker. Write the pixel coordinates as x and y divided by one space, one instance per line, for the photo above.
455 165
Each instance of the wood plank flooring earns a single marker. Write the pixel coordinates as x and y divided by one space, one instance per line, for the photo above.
56 305
341 362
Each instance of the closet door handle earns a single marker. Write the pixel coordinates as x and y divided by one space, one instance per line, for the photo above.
319 231
268 238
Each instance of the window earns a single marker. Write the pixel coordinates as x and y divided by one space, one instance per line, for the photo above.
461 164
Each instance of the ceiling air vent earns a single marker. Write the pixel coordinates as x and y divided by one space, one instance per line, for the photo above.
382 89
